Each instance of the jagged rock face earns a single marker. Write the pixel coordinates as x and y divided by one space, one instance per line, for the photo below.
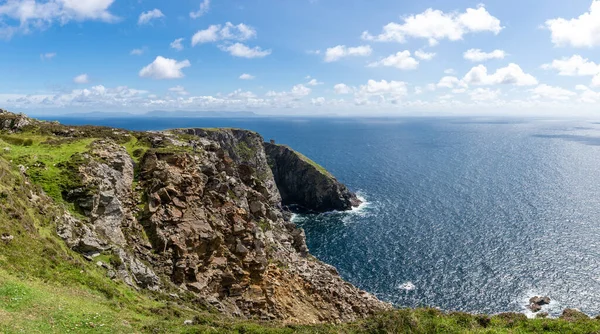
13 122
204 221
218 235
107 202
245 148
303 184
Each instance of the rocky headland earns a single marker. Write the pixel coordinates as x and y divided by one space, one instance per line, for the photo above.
199 211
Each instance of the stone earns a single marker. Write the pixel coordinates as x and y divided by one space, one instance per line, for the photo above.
7 237
539 300
572 314
188 322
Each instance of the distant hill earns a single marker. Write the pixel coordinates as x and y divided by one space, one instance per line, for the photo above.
163 113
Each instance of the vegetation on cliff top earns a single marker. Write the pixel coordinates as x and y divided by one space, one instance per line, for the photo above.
306 159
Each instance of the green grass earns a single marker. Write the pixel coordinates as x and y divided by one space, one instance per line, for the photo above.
47 159
304 158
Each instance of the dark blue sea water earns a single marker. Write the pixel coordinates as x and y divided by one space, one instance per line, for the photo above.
463 214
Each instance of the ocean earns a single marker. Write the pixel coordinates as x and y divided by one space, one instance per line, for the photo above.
464 214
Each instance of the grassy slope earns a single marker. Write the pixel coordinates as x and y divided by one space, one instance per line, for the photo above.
306 159
47 288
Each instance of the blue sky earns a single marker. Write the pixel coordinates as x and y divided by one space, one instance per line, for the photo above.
352 57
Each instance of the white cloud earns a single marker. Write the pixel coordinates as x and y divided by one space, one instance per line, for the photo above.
574 66
178 90
137 52
81 79
246 76
338 52
484 94
448 82
150 15
229 31
47 56
476 55
401 60
582 31
418 90
342 89
32 15
177 44
319 101
544 91
204 7
314 82
435 25
164 68
596 80
243 51
297 92
382 91
511 74
424 55
587 95
449 71
240 94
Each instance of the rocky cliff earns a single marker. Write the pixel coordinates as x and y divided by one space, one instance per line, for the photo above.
194 211
305 184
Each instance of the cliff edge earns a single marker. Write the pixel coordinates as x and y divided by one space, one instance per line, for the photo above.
191 212
305 184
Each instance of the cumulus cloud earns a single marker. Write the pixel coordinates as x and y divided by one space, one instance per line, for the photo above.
342 89
401 60
178 90
476 55
177 44
32 15
137 52
582 31
449 71
544 91
319 101
150 15
229 31
511 74
338 52
289 98
448 82
164 68
204 8
484 94
587 95
314 82
47 56
576 66
81 79
246 76
382 91
243 51
424 55
435 25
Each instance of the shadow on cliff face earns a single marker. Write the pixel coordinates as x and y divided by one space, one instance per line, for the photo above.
304 185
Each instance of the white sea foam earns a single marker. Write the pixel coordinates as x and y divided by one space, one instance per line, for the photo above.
407 286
